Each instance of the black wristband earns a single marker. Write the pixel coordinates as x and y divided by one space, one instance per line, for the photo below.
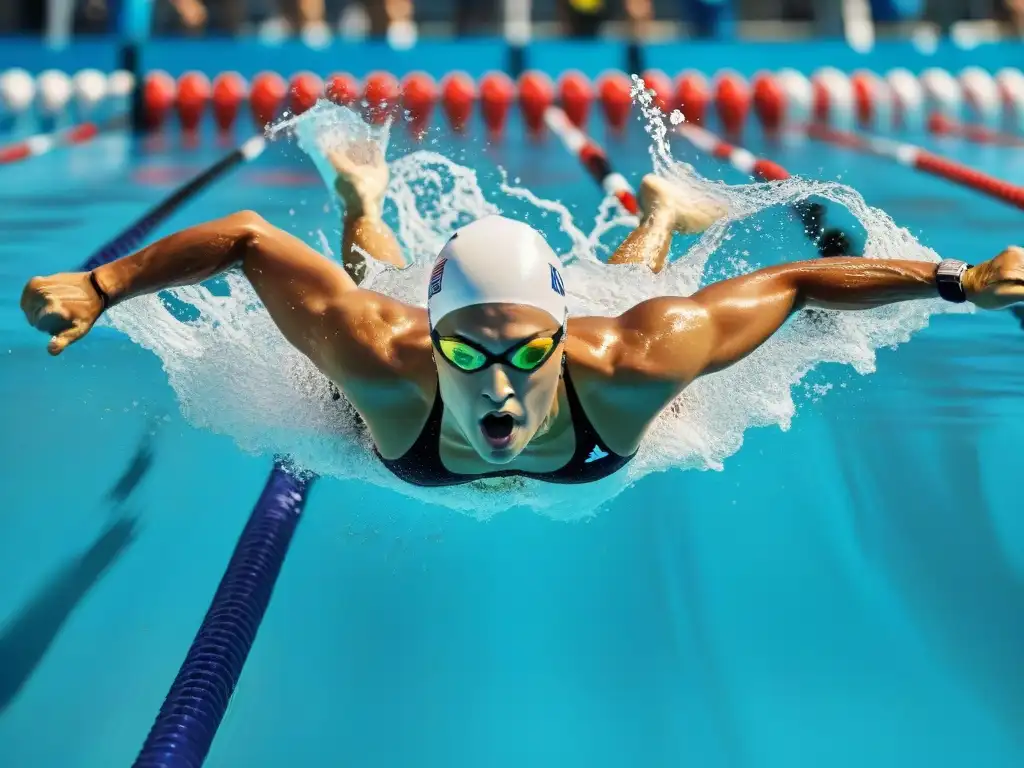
949 280
104 298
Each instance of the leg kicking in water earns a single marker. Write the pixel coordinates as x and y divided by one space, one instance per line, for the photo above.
493 378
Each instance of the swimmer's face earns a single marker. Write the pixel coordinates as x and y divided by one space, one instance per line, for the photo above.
499 408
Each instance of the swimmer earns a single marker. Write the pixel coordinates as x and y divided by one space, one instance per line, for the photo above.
492 377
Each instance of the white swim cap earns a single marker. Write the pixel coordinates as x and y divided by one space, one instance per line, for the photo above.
496 260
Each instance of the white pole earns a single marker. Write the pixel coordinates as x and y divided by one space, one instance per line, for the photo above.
517 21
60 18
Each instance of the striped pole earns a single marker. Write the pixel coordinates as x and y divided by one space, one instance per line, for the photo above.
831 242
921 159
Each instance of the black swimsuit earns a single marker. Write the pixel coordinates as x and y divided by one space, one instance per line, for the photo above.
592 459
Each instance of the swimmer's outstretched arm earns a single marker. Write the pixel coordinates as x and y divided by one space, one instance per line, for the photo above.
361 184
678 339
311 298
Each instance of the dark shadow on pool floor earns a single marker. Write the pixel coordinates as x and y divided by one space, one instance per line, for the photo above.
30 633
26 638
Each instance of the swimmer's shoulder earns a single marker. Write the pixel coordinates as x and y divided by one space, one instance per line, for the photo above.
388 373
594 350
619 386
381 335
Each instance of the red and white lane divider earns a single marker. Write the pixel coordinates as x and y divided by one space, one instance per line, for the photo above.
43 143
913 156
741 159
830 242
592 157
782 102
941 125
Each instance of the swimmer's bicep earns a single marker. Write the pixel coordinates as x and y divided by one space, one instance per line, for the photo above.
306 293
742 314
682 338
283 268
367 336
663 339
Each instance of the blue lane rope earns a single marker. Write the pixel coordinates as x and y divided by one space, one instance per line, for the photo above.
193 709
184 729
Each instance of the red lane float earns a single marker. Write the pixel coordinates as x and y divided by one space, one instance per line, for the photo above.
536 94
194 93
732 100
497 92
616 101
304 90
575 95
458 94
769 102
159 92
382 93
693 95
229 91
342 89
660 87
269 90
419 97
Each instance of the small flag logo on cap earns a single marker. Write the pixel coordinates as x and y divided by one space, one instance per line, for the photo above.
435 278
556 281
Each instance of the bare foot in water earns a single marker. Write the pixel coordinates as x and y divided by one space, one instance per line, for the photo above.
690 212
362 177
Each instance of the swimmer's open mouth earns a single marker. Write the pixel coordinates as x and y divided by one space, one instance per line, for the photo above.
497 428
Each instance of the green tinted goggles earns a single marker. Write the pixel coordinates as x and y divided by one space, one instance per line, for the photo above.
525 356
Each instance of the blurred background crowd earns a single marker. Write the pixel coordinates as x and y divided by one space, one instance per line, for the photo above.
405 20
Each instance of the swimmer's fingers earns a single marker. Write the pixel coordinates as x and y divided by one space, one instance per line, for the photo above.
61 341
64 306
353 161
33 302
1008 293
997 283
46 315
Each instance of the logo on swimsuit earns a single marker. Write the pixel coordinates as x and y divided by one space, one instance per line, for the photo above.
556 281
596 455
435 278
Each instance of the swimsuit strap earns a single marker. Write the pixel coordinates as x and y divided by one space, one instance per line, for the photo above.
581 426
421 464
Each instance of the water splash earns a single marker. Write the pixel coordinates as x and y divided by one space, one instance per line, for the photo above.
235 374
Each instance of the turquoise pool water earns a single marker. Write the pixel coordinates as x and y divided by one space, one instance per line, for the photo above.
844 594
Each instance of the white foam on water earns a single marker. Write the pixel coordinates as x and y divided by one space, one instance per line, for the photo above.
234 373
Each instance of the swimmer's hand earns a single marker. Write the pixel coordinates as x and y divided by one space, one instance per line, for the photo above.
66 306
362 177
997 283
